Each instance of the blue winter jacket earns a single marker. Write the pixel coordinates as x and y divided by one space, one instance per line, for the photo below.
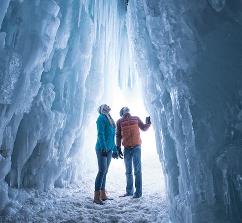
105 134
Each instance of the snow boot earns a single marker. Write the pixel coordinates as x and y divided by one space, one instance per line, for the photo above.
97 196
104 196
126 195
137 196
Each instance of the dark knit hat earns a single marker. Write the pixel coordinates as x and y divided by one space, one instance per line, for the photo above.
123 111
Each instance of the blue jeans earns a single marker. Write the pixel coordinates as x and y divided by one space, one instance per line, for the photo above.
103 164
132 156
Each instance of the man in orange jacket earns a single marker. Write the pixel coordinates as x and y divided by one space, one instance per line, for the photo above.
128 132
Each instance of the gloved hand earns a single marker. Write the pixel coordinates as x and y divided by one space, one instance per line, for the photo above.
115 155
104 152
120 154
147 120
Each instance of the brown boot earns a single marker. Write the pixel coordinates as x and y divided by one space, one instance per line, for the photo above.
103 196
97 199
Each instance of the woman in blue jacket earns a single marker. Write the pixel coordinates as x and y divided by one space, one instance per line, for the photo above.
105 150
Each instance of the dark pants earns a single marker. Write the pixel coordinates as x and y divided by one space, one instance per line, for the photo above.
103 164
132 156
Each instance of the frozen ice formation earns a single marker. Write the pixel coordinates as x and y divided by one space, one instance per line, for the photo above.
58 59
189 57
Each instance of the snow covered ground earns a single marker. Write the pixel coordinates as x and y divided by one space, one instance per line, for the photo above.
74 204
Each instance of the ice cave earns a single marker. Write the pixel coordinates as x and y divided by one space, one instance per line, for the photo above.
177 61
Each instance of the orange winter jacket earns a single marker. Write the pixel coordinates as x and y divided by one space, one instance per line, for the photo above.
128 131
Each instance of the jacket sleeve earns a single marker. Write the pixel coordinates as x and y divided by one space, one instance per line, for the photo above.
118 134
101 132
143 126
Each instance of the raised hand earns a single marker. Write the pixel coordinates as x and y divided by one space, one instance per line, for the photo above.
147 120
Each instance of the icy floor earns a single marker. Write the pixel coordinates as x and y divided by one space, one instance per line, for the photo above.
74 204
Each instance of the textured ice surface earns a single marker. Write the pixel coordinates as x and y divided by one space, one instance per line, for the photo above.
72 204
45 60
189 56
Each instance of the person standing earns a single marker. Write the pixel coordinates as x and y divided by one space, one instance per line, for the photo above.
105 150
128 132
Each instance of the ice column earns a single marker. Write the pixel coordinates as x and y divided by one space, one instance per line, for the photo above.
44 63
189 57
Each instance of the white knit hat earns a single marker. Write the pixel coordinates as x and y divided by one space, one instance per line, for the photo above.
103 109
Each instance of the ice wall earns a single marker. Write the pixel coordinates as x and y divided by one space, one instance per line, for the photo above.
37 133
53 56
188 54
